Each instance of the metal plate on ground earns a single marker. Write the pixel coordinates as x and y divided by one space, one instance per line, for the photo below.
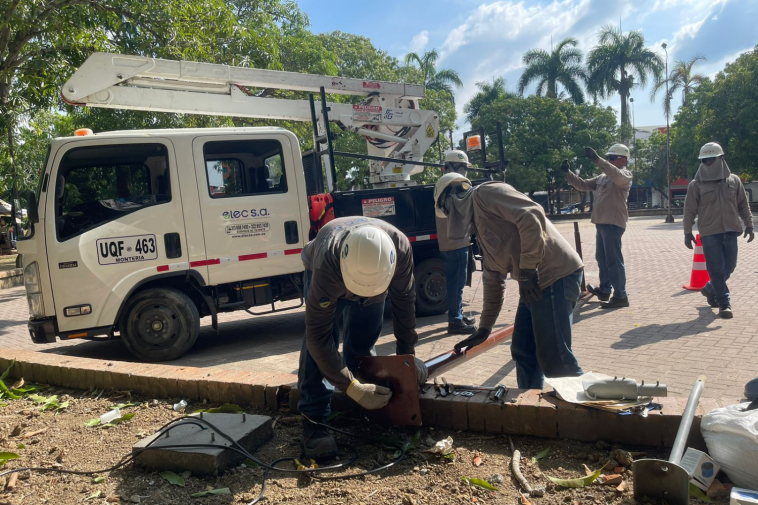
661 480
399 374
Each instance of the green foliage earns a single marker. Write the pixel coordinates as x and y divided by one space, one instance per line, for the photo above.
681 79
563 65
173 478
479 483
7 456
579 482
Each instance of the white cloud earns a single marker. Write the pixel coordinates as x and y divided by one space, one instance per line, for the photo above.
419 42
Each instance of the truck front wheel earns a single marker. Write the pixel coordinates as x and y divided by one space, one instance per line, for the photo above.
159 324
431 287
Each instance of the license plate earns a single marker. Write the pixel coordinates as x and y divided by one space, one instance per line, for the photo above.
116 250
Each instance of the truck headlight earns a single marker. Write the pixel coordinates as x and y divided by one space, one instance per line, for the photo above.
34 290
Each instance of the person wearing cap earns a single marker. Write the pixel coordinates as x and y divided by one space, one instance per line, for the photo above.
718 199
516 238
350 268
456 254
610 215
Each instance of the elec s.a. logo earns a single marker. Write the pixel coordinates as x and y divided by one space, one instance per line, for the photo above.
245 213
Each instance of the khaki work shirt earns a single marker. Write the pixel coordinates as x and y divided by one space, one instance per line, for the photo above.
513 233
444 242
719 206
322 257
611 193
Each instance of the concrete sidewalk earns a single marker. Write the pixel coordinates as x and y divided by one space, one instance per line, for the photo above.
668 334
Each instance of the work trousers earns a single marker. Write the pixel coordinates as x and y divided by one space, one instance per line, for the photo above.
359 326
541 343
456 263
720 252
610 261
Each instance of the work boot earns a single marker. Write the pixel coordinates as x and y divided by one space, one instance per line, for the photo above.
603 297
725 311
710 297
317 442
469 320
615 303
460 328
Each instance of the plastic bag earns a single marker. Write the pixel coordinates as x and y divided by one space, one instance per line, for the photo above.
731 434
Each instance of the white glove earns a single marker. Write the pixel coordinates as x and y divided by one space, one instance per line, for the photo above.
422 373
369 396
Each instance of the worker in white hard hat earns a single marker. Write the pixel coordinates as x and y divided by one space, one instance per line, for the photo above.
516 238
350 267
456 254
718 199
610 215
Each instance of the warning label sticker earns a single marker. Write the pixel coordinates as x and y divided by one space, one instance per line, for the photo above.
430 134
367 113
379 207
247 230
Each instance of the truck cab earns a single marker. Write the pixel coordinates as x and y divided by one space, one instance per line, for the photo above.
144 232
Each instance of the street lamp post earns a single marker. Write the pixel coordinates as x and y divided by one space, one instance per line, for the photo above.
669 217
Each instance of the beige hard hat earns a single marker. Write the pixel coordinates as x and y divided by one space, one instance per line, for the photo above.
618 150
710 150
367 261
446 180
457 156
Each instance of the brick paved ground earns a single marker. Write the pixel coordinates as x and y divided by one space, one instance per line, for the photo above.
668 334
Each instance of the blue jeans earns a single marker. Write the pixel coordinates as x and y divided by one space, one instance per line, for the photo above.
541 344
360 327
720 252
456 264
610 261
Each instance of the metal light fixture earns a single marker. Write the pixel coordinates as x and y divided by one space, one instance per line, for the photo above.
669 217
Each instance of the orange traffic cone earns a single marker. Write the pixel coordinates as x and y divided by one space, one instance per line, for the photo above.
699 277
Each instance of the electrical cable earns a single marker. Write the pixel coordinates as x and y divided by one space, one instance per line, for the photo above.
238 448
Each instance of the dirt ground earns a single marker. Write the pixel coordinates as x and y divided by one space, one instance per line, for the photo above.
421 479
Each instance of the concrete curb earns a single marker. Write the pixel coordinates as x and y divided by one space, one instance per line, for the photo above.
522 412
11 278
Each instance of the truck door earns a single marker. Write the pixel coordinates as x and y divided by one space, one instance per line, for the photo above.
251 206
112 215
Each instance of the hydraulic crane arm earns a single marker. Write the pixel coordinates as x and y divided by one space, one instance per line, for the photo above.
389 117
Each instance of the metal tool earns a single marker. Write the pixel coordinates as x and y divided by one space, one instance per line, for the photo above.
465 393
666 480
622 389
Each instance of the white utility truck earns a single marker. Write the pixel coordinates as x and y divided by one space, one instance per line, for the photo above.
141 233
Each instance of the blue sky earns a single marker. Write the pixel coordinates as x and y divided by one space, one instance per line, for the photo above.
482 40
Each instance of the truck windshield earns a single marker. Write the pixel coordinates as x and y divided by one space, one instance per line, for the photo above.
96 185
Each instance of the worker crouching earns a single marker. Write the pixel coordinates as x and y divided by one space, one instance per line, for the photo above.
515 237
350 267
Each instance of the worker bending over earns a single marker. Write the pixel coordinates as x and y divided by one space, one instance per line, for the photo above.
456 254
349 268
717 197
610 215
515 237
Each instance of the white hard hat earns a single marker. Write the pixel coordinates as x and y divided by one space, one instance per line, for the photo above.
457 156
442 184
618 150
367 261
710 150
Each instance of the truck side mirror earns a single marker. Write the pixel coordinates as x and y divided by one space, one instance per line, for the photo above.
31 211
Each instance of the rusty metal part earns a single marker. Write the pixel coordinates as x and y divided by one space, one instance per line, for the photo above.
399 374
451 359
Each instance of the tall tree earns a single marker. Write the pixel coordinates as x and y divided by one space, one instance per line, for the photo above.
681 79
619 63
438 80
562 65
488 93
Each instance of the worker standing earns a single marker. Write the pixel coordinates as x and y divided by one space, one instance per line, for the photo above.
717 197
610 215
456 254
349 268
515 237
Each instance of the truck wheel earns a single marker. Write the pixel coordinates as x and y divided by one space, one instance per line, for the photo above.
159 324
431 287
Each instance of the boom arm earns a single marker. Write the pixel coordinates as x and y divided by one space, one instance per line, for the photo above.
389 117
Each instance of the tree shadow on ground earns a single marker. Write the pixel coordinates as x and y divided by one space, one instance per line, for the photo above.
654 333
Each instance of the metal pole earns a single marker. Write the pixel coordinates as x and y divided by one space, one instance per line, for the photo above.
669 217
451 359
680 442
578 241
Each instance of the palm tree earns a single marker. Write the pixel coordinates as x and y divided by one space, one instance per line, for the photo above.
563 65
438 80
488 92
680 78
620 63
